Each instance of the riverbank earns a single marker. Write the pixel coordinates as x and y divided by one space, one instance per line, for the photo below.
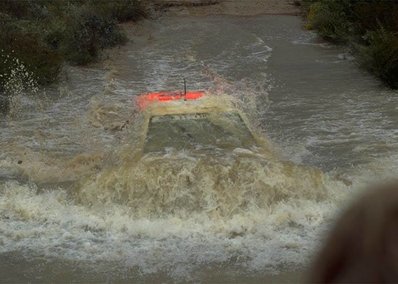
369 28
229 7
37 38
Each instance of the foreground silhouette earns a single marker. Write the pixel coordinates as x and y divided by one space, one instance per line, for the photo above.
363 245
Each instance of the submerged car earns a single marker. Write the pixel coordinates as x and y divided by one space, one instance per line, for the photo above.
194 121
197 155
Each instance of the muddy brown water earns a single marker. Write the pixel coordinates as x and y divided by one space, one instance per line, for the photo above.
78 202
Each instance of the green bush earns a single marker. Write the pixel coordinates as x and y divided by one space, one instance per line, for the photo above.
380 56
371 26
22 9
45 33
121 10
331 20
87 33
371 14
17 38
38 36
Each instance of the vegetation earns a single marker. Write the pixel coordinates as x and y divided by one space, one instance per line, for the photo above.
370 27
44 34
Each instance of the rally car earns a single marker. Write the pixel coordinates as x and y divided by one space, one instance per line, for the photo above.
194 121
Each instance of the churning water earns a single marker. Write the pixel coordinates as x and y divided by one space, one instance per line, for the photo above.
79 200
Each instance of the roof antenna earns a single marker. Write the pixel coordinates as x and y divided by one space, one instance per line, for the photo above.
185 90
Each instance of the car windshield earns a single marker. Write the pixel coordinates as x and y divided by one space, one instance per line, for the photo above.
198 131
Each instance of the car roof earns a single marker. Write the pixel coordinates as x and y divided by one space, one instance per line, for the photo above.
205 104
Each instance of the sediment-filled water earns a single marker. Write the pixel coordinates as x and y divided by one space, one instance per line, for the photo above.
81 200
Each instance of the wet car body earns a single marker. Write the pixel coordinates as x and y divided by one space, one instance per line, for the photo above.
196 123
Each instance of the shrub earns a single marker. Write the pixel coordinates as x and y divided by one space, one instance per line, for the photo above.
87 33
121 10
380 56
369 25
18 39
331 20
20 9
371 14
44 33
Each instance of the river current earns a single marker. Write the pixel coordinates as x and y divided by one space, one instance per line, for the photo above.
78 202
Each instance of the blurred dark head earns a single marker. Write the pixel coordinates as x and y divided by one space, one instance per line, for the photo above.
363 245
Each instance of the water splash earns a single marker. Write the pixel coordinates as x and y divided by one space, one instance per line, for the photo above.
17 82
